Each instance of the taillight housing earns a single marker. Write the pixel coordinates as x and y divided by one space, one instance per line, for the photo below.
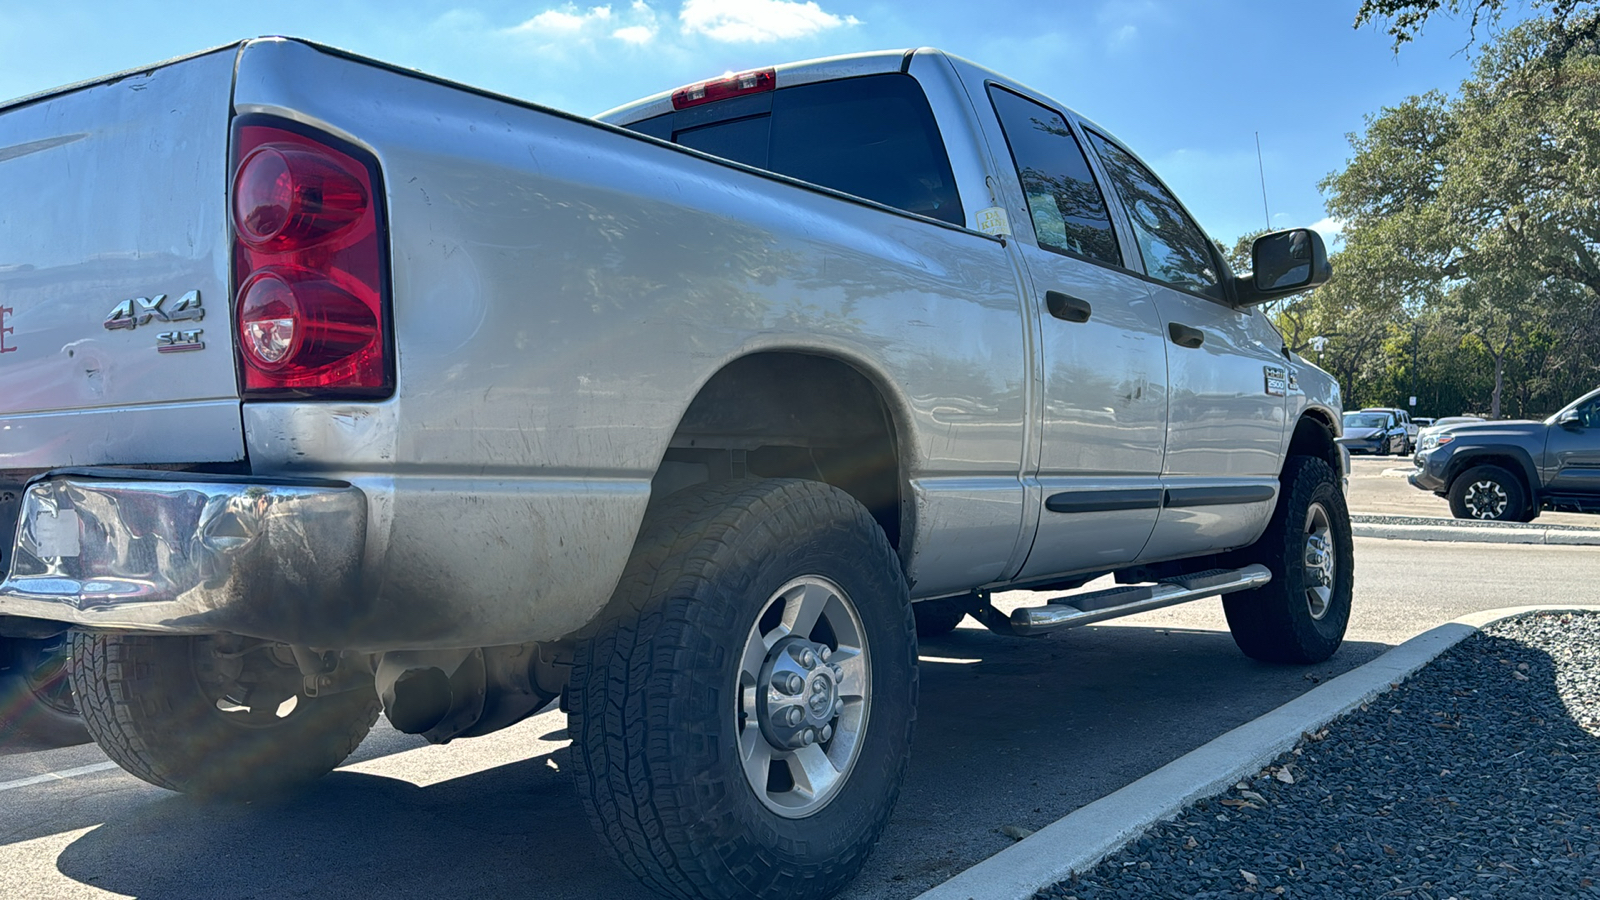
756 81
310 265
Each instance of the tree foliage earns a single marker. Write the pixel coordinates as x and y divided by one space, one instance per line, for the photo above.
1477 217
1572 19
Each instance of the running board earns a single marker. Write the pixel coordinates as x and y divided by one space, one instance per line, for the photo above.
1097 606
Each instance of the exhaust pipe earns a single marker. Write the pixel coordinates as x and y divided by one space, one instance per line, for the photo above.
435 693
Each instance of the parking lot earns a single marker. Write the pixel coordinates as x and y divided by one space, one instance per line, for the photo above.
1013 732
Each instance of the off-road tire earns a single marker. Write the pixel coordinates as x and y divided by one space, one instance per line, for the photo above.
142 700
940 617
35 701
1277 622
654 695
1466 494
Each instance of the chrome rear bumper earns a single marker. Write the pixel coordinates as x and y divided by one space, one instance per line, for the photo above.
183 553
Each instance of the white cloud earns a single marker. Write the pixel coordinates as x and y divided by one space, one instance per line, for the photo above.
1124 36
757 21
635 34
643 29
566 21
1331 229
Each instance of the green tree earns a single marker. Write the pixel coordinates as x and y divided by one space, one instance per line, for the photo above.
1484 209
1573 19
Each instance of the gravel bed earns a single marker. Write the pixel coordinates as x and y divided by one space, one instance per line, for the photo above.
1479 777
1372 519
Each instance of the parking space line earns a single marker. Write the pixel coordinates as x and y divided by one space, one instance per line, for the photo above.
56 776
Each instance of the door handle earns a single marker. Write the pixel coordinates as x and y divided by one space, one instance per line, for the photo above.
1184 336
1067 307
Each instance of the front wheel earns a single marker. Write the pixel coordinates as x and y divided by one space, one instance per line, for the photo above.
219 717
36 691
742 713
1301 615
1490 493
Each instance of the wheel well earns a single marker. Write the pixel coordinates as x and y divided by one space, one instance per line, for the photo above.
1510 463
1314 437
790 415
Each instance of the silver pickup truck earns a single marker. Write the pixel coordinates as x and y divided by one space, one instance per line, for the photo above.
332 387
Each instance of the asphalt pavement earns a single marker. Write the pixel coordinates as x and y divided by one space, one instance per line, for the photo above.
1013 735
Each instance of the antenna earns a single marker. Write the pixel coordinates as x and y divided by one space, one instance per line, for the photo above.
1263 170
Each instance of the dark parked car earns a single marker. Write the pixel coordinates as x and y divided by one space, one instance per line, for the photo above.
1514 469
1404 418
1376 431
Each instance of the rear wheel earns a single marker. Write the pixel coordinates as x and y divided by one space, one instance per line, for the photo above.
742 713
1301 615
36 691
1490 493
216 716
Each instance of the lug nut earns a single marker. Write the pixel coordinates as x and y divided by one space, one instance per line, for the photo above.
827 732
838 673
796 715
807 658
809 736
825 653
788 682
838 706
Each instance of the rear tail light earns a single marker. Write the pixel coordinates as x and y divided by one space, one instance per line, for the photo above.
309 258
753 82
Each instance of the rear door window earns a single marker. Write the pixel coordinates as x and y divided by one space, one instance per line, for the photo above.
873 136
1068 211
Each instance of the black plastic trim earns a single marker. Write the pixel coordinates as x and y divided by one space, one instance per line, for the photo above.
1219 496
1104 501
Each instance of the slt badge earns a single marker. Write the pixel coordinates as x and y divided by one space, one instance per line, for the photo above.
130 314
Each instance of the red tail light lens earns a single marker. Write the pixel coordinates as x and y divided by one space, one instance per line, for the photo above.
310 263
284 196
292 319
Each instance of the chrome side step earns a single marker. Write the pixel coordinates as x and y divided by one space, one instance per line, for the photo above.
1097 606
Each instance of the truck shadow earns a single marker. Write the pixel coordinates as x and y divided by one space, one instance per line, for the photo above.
1011 733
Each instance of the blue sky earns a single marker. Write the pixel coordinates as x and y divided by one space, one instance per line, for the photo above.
1186 83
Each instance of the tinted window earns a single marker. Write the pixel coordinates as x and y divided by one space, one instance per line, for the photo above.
741 140
1068 210
873 137
1174 249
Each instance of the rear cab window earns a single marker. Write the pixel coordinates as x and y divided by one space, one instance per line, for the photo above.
872 136
1068 211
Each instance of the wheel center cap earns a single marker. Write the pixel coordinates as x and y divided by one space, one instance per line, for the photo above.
1319 560
823 692
799 694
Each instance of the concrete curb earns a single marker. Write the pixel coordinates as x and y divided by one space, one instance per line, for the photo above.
1476 534
1086 836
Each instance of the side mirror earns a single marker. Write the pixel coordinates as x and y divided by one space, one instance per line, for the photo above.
1570 420
1285 263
